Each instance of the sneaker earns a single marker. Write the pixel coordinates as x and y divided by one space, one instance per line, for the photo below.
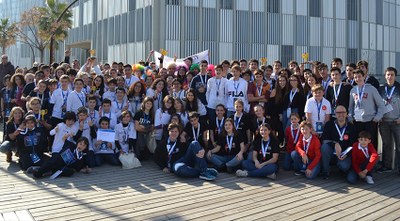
384 169
369 180
212 171
298 173
272 176
31 169
9 157
206 176
242 173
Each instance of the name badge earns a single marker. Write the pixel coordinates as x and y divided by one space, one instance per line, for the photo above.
389 108
319 127
34 157
358 113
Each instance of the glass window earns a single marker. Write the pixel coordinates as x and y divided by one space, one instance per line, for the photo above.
352 12
226 4
273 6
315 8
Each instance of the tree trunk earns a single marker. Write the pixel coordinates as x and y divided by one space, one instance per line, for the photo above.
41 55
51 50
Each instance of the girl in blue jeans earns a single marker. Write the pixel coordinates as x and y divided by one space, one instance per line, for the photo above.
265 156
229 149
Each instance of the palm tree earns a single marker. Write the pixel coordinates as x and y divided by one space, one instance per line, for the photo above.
7 34
57 20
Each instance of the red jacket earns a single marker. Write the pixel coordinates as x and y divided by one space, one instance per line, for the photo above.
358 158
313 153
290 145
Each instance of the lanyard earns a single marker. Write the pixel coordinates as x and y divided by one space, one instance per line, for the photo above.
306 144
41 99
236 86
364 150
126 132
389 95
264 148
177 95
336 93
229 141
78 154
259 89
262 122
128 83
237 121
295 138
219 125
64 96
291 96
196 135
360 95
203 81
218 83
170 148
38 117
326 83
122 104
319 106
92 115
159 99
340 131
352 82
81 99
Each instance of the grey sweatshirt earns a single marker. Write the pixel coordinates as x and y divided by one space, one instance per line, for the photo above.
371 103
395 102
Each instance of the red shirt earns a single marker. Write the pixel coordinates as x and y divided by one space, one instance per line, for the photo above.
358 157
313 153
290 145
252 89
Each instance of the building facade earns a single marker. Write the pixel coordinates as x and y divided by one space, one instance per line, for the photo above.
126 30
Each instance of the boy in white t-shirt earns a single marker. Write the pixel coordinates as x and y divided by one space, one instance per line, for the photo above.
66 130
236 88
317 109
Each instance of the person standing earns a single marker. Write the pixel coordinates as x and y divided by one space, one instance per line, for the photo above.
5 68
390 125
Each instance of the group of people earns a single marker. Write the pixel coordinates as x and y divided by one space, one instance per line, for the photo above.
196 120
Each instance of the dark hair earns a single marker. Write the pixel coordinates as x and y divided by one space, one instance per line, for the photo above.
358 71
21 76
352 65
167 98
104 119
337 60
106 101
71 71
391 69
82 110
254 61
193 114
85 141
203 62
91 97
127 66
364 134
362 63
225 62
224 132
131 91
172 126
336 69
191 105
79 79
101 87
112 81
69 115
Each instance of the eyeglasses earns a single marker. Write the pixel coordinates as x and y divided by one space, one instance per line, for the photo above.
340 112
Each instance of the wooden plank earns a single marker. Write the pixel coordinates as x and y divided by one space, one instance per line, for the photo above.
10 216
24 215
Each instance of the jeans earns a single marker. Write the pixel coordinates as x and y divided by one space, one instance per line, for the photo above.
7 146
390 131
253 171
229 160
190 166
109 158
287 161
352 176
298 165
327 150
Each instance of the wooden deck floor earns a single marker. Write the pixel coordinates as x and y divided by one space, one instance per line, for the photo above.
147 194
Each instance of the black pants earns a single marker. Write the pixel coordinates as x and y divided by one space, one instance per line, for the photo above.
55 163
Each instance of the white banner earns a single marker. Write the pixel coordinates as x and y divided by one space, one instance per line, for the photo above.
168 60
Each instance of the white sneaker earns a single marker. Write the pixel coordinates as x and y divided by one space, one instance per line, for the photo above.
272 176
241 173
369 180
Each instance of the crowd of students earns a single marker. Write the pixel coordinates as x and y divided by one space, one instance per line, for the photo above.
195 120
